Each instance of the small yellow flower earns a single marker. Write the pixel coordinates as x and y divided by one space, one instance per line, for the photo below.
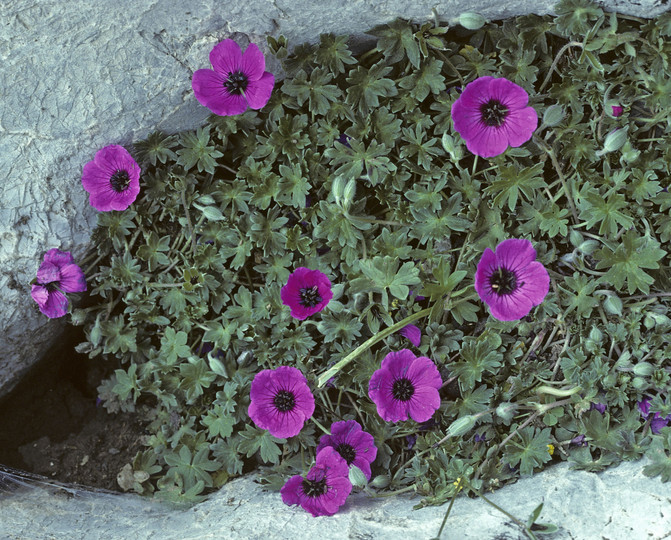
456 484
551 449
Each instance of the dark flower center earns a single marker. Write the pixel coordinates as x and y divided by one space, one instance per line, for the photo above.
119 180
503 281
51 287
402 389
346 452
314 488
493 112
284 401
309 296
236 83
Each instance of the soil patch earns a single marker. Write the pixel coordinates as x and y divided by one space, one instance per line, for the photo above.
51 423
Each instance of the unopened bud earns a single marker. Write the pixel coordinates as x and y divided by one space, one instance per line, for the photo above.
471 21
614 141
380 481
553 115
461 426
356 476
644 369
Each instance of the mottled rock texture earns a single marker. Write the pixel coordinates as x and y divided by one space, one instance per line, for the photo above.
617 504
78 75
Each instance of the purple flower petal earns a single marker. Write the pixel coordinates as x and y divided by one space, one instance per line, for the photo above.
486 133
405 386
353 444
236 82
644 406
306 292
324 489
112 179
281 401
48 273
658 422
617 110
72 279
510 281
258 92
413 333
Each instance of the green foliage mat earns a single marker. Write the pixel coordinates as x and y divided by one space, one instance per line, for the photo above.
185 294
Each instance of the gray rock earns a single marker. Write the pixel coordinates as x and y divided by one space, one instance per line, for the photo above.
617 504
79 75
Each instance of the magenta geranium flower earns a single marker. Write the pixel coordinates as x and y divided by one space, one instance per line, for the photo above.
405 386
112 179
324 489
354 445
306 292
492 114
413 333
237 81
58 274
510 280
281 401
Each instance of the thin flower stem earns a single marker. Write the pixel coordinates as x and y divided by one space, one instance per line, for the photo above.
223 165
358 412
188 223
321 381
92 265
380 221
526 529
449 508
653 295
392 493
556 61
449 63
560 174
320 426
156 285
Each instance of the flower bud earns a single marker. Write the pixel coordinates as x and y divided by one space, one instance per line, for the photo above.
575 237
644 369
553 115
471 21
356 476
461 426
451 147
612 305
614 141
505 411
381 481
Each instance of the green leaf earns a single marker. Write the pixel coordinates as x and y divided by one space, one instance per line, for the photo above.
156 147
253 440
529 449
427 79
477 357
366 86
316 91
293 186
658 453
173 345
397 41
579 291
195 375
625 264
595 208
510 180
218 422
197 151
333 53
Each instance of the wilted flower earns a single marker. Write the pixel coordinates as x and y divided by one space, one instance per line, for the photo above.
306 292
510 281
617 110
281 401
325 487
405 386
492 114
237 81
601 407
112 179
657 422
56 275
413 333
356 446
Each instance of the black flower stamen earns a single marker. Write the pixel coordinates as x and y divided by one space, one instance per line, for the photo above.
347 452
314 488
236 83
493 112
309 297
503 281
402 389
120 180
284 401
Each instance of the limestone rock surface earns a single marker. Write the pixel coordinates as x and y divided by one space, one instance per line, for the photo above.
617 504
